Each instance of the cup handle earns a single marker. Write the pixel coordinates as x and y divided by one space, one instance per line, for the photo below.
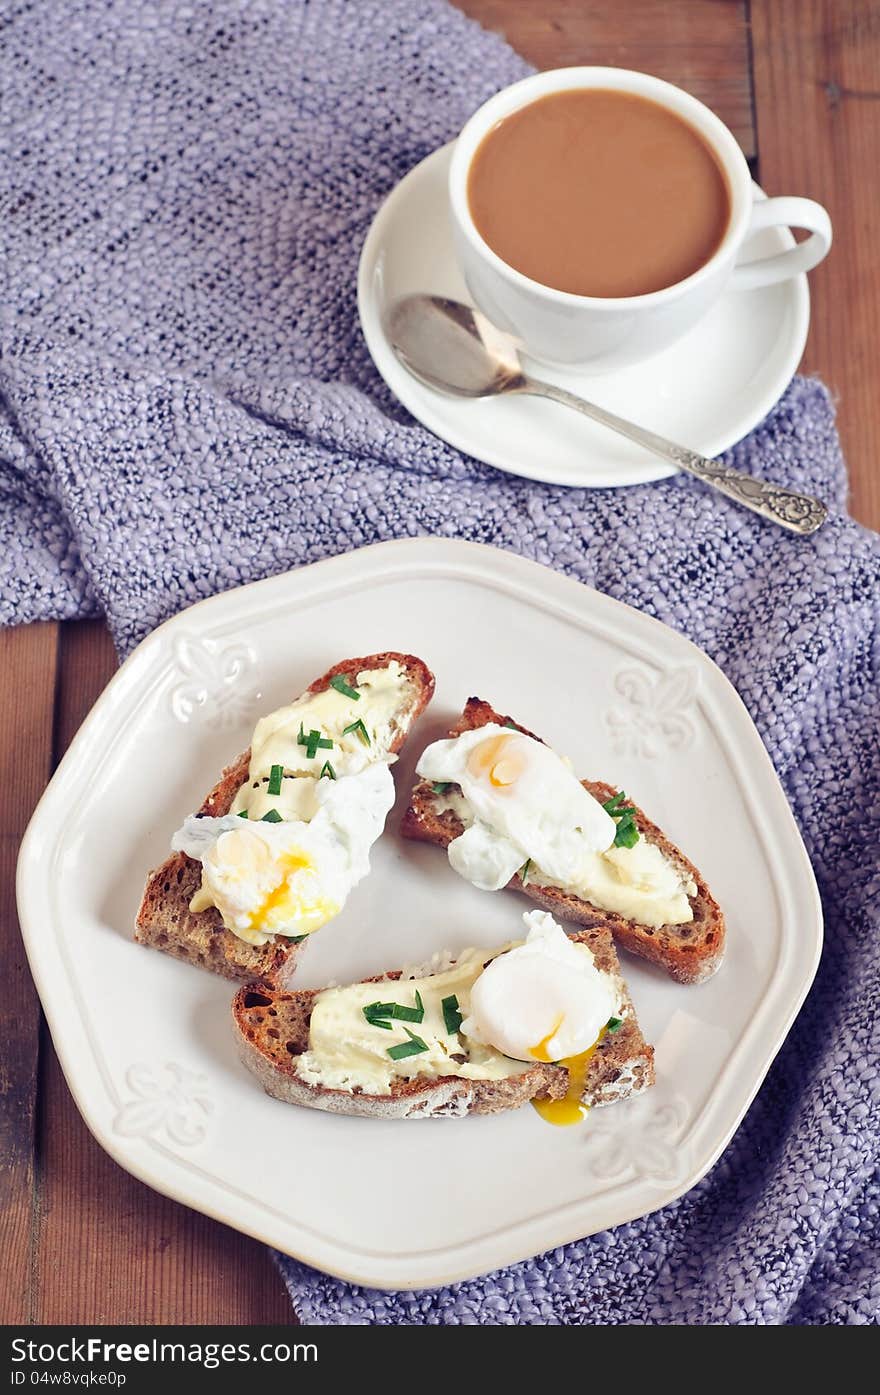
785 212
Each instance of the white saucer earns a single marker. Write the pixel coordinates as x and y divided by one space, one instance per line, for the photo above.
707 391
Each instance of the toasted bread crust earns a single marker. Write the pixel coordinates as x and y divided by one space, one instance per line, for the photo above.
272 1029
165 921
689 953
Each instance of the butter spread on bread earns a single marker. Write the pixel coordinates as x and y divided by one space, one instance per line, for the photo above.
349 1048
690 950
522 804
279 842
357 722
298 836
488 1017
547 1020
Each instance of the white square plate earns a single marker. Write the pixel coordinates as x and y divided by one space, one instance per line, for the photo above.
145 1042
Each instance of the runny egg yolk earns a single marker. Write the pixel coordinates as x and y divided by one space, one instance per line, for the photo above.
236 874
286 904
498 761
571 1108
541 1052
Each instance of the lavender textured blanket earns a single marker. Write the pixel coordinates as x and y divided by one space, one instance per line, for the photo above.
186 404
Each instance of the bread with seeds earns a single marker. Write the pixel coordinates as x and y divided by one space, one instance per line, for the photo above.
170 917
690 951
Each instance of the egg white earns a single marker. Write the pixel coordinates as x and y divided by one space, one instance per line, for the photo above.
526 804
289 878
544 999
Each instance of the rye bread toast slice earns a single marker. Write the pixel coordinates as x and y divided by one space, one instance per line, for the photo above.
690 953
165 920
272 1030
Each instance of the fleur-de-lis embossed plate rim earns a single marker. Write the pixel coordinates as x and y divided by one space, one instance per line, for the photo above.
114 1008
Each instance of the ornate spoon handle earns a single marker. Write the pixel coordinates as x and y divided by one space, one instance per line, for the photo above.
799 513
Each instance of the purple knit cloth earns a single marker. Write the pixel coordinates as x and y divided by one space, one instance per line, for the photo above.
186 404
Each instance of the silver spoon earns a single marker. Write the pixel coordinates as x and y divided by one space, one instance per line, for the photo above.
453 348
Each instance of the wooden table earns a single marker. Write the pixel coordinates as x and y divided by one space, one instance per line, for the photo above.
796 80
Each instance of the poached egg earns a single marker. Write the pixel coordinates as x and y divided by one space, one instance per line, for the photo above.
298 836
542 1000
524 808
484 1017
526 804
290 877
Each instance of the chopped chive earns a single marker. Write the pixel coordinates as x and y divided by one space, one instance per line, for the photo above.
512 725
361 730
327 769
242 813
273 816
341 684
451 1014
380 1009
276 775
313 742
627 834
613 1024
524 870
378 1014
378 1021
624 815
297 939
403 1014
441 786
413 1047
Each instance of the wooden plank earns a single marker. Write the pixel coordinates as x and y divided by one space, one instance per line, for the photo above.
28 663
87 662
817 96
700 46
110 1249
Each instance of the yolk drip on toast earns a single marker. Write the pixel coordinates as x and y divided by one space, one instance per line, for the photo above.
570 1109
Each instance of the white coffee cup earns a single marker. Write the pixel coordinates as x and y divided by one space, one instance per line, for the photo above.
559 327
